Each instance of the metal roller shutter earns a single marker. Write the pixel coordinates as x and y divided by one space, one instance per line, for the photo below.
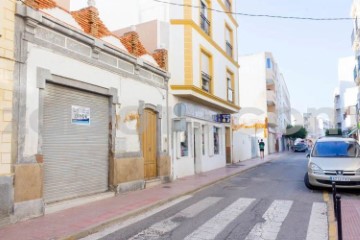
75 155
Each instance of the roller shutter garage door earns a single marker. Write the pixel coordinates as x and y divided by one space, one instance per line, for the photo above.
75 143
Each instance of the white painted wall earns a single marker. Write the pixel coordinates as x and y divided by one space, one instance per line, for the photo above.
130 92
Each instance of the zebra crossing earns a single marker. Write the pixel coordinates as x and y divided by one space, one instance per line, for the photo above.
267 228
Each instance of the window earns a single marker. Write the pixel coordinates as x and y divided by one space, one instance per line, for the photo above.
216 141
228 5
338 149
203 139
184 144
228 41
204 21
230 88
268 63
205 72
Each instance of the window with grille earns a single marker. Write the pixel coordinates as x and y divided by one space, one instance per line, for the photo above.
230 90
228 40
205 72
204 20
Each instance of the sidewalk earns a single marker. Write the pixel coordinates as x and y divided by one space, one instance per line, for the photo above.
80 221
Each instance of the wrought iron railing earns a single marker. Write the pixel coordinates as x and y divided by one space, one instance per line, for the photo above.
204 24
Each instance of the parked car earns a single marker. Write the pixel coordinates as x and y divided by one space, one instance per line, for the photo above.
300 147
334 159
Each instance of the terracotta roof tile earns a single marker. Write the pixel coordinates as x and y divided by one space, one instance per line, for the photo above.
88 19
40 4
133 44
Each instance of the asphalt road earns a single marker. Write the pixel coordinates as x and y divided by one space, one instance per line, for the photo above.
266 202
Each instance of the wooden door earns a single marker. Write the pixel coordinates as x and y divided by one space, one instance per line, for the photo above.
228 144
149 144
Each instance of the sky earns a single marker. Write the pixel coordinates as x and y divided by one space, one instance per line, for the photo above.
307 52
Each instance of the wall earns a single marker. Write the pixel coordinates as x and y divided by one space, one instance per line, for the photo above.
7 19
7 25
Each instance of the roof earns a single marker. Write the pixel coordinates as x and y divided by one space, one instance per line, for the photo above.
88 20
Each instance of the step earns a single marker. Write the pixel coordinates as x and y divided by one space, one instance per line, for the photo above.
59 206
152 182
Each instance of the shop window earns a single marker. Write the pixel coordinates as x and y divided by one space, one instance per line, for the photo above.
216 140
184 144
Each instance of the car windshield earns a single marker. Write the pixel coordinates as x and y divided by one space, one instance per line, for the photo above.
336 149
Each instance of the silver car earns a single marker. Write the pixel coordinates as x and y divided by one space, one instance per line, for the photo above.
334 159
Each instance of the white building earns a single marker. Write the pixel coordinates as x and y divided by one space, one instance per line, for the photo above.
265 106
345 96
355 39
91 110
203 64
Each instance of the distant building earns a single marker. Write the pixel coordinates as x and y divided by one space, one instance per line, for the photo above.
345 97
355 40
265 104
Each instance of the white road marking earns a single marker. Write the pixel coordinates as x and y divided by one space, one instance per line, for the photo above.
135 219
163 227
215 225
274 217
318 224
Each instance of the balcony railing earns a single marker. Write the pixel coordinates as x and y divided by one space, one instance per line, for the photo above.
204 24
229 49
206 78
270 96
228 5
230 95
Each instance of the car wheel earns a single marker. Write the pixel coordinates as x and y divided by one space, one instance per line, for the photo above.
307 183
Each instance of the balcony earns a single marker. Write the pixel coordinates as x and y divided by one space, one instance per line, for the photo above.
229 49
204 24
230 95
270 97
355 37
228 5
205 78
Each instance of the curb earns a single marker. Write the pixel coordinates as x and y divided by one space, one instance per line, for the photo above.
98 227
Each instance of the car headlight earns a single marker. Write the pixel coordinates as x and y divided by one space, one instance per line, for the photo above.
316 169
358 172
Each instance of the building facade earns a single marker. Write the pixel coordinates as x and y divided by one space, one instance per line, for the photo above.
7 66
265 104
203 64
92 108
345 97
355 40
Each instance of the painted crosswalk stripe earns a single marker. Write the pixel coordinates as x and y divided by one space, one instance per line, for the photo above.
126 223
318 224
274 217
218 223
163 227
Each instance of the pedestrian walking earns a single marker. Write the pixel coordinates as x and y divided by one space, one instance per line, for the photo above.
261 147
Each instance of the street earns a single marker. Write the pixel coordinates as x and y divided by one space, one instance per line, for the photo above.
266 202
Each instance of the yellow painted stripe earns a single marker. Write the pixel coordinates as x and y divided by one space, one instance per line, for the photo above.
204 93
331 216
204 35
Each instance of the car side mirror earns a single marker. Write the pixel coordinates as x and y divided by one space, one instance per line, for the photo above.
308 155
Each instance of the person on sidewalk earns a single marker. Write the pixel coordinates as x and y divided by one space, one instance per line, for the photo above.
261 147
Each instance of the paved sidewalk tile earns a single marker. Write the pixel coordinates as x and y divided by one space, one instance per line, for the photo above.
350 211
79 220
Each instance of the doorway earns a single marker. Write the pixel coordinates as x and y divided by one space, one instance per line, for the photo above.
228 144
149 144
